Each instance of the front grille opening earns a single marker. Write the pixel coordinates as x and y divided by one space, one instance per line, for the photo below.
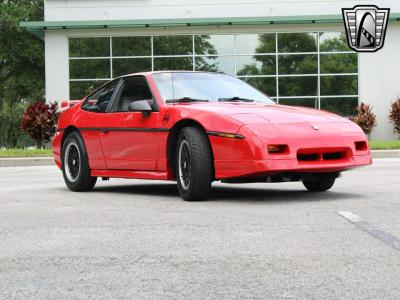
308 157
322 155
333 155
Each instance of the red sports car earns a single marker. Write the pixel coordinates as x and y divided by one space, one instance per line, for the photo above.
196 128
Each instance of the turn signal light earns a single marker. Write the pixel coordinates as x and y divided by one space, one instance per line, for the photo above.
276 149
228 135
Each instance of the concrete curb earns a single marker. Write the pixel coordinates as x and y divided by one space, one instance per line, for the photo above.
26 161
49 161
385 153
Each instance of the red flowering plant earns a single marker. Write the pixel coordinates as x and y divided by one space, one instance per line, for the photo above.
365 118
40 121
394 116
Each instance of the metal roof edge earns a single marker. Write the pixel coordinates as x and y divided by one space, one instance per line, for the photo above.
38 27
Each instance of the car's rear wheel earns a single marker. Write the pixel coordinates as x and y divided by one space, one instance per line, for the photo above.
319 184
75 165
193 164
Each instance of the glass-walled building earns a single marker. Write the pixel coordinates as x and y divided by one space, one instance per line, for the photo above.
314 69
295 58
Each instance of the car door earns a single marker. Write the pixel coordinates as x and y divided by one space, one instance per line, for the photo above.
90 120
130 139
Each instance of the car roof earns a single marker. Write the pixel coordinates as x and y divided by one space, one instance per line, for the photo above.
167 71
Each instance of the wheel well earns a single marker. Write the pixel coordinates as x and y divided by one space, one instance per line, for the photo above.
173 140
66 132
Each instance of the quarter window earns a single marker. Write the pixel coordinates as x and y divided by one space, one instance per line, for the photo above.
98 102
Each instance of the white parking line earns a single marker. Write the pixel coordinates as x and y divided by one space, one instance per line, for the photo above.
350 216
374 231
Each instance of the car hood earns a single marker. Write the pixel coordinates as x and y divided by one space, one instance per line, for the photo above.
255 113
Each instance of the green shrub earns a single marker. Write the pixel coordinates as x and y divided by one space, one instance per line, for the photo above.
10 118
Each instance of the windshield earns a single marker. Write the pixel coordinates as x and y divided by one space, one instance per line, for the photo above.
206 87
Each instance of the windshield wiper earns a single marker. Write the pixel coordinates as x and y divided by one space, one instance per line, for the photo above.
235 99
186 99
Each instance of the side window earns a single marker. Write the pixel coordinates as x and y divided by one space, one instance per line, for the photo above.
133 89
99 101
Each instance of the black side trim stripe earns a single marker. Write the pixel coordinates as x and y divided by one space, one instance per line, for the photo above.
105 129
225 134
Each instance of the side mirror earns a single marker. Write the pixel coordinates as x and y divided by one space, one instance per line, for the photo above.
141 105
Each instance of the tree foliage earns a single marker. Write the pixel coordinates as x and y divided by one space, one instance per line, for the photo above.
21 66
10 119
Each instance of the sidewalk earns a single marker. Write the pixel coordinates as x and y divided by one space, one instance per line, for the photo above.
48 161
385 153
26 161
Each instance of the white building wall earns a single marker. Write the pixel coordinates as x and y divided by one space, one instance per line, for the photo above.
57 66
78 10
379 80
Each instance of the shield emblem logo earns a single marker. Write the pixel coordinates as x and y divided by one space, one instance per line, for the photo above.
365 27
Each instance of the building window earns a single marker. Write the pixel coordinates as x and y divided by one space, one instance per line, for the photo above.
313 69
89 47
131 46
309 69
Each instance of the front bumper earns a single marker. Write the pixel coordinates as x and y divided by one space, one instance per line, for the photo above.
260 168
249 157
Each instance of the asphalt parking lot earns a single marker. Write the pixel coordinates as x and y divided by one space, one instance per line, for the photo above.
137 239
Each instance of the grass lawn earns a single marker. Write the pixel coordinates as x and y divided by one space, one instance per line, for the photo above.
24 152
384 145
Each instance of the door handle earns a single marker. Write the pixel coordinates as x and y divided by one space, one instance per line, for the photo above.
105 131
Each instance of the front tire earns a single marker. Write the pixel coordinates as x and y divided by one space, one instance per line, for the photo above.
319 184
75 165
193 168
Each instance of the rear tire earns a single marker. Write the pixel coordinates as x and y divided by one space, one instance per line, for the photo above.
320 184
75 165
193 166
